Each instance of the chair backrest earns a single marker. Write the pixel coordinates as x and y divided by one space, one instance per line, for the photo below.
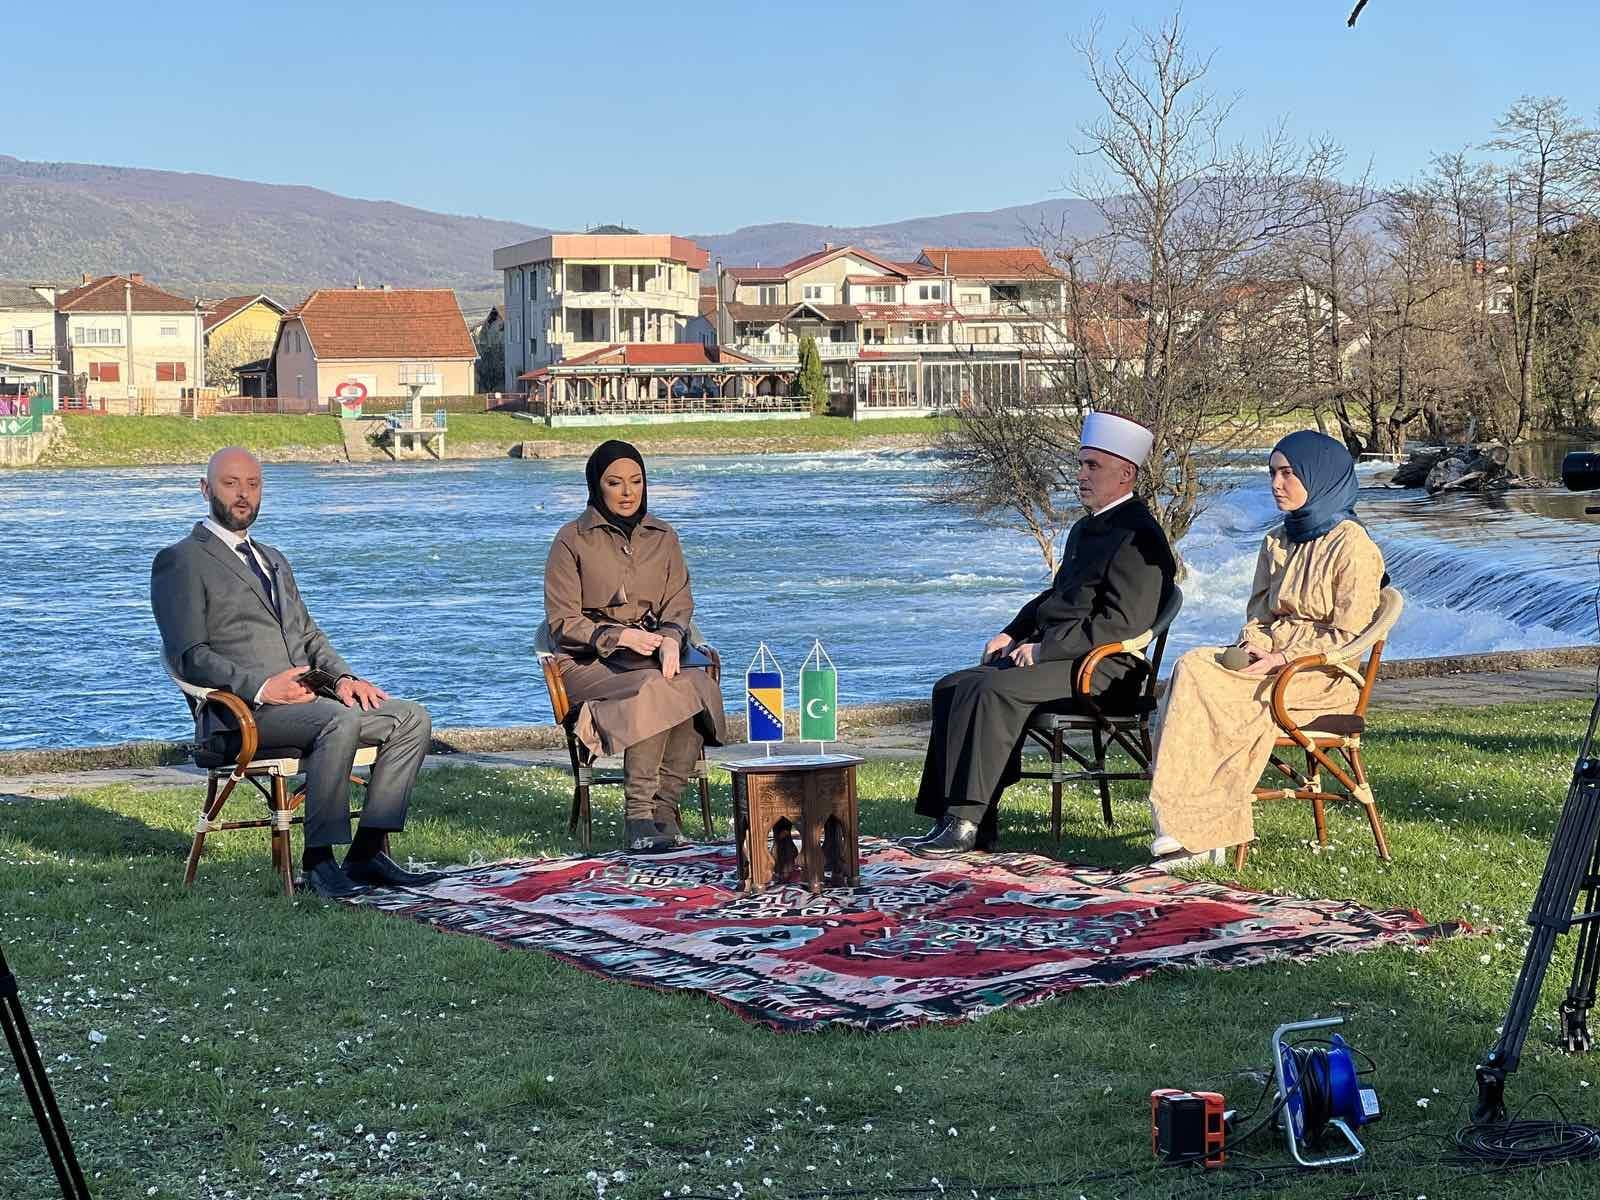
544 649
1165 616
194 695
1390 605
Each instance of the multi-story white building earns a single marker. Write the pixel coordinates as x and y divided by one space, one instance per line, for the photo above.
130 345
924 335
28 360
568 294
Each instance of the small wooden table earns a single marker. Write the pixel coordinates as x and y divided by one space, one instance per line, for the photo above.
816 793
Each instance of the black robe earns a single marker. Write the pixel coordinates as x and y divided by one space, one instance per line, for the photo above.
1116 568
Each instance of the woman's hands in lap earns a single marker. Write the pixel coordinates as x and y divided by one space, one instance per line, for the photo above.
669 652
640 641
1262 663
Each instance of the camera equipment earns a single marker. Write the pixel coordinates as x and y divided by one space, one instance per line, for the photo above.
36 1084
1580 471
1320 1089
1572 867
1188 1127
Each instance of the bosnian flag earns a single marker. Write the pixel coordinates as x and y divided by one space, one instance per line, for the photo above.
763 697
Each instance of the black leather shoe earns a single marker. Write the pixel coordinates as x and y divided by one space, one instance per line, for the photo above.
382 871
957 837
917 839
328 880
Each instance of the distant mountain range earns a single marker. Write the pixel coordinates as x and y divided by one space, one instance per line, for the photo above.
214 236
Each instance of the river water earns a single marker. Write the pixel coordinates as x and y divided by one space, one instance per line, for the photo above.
428 577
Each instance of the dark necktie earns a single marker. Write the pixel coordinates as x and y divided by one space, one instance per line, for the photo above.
248 552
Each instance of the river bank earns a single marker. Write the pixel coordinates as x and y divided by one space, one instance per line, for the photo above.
98 441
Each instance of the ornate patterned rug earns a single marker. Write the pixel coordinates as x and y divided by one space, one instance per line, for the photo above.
920 940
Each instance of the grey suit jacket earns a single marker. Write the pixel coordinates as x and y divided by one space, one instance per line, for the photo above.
218 626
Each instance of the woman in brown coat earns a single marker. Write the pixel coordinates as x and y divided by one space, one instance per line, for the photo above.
617 600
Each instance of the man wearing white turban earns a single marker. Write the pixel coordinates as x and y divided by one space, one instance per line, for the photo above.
1116 569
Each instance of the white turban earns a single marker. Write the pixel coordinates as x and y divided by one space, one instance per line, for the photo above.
1117 435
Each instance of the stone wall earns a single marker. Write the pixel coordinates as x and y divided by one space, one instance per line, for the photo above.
25 450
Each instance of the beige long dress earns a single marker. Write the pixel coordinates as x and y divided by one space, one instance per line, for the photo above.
1215 726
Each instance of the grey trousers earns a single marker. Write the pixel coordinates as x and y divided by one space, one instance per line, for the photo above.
327 734
655 771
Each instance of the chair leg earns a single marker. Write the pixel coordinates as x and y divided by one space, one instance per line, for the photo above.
705 803
208 812
1240 853
281 854
1102 781
586 818
1368 802
1055 786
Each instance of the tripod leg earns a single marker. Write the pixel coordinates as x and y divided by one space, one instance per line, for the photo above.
1576 845
1586 965
36 1084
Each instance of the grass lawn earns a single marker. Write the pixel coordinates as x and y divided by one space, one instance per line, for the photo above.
140 441
261 1048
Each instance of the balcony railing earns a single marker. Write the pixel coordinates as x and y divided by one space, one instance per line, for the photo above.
827 351
623 298
1013 308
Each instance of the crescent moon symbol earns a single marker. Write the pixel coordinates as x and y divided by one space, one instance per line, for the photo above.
815 715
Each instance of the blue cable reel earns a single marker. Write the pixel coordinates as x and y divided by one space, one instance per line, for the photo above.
1319 1089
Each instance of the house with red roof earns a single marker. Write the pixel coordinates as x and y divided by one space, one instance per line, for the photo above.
897 337
130 344
378 341
240 332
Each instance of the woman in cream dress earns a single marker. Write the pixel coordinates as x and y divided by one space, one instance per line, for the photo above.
1316 589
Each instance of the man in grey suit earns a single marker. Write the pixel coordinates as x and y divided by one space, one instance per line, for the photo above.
231 617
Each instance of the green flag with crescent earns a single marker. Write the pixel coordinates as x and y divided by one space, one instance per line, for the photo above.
819 697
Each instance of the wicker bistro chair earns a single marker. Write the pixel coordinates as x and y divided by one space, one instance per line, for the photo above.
1333 733
1130 730
266 769
591 772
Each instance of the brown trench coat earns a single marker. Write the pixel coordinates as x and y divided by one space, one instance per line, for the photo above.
596 582
1216 726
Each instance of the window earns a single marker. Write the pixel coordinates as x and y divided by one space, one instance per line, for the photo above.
169 330
90 336
818 291
986 335
104 372
930 291
771 295
22 339
171 372
299 386
881 295
533 347
516 284
972 297
836 333
873 335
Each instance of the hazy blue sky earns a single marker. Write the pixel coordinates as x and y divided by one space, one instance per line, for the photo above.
700 118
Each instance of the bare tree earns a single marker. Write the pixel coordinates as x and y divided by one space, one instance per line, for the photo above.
1192 223
1549 183
1318 254
1176 312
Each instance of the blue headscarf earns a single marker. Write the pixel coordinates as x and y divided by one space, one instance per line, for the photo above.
1328 472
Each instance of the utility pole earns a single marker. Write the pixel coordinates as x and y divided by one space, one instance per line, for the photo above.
199 360
127 326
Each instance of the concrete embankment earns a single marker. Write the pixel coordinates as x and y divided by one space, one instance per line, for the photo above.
891 729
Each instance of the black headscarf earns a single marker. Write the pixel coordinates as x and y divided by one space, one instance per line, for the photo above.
604 455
